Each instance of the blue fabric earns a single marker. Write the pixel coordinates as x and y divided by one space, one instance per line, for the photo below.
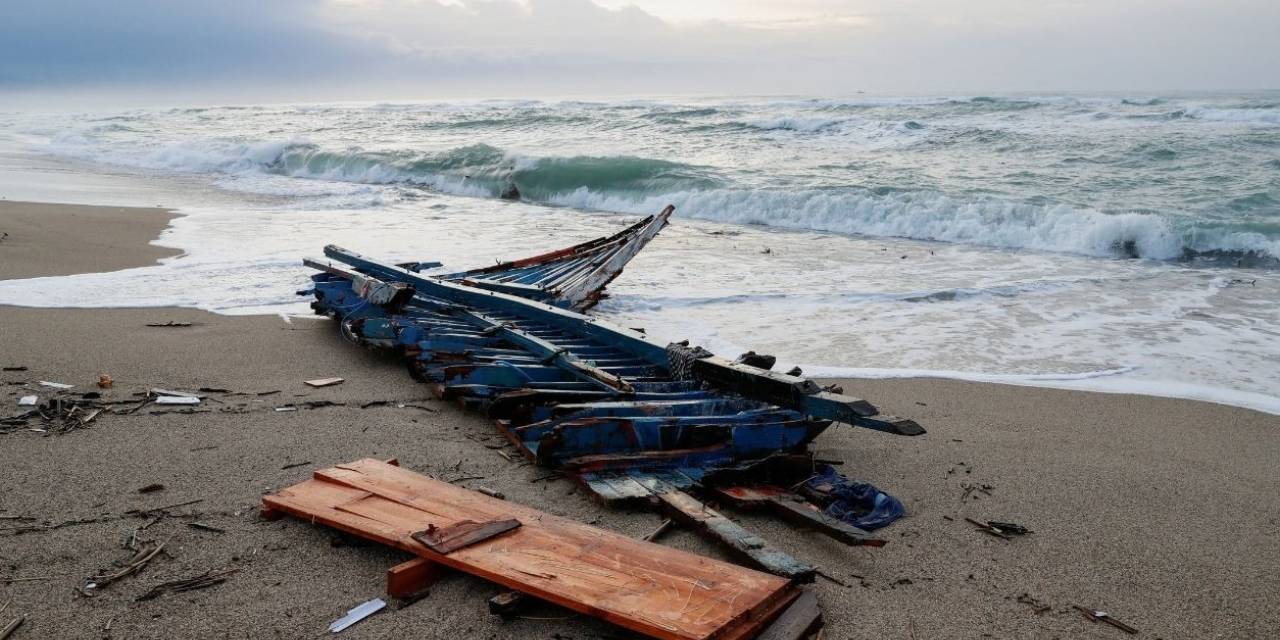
856 503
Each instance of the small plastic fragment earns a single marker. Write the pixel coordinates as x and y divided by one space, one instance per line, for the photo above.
357 614
177 400
324 382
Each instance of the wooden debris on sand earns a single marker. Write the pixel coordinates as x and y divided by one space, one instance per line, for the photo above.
644 587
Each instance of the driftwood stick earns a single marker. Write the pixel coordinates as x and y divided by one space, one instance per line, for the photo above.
30 579
657 533
11 627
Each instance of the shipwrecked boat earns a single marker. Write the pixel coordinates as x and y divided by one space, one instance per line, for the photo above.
631 418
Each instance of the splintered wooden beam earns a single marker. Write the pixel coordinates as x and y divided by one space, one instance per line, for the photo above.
712 524
795 509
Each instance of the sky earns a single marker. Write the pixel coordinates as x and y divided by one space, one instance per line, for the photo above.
293 50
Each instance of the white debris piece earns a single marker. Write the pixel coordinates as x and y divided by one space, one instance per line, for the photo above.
56 385
166 392
357 614
28 401
324 382
177 400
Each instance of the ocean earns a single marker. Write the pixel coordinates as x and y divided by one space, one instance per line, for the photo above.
1118 243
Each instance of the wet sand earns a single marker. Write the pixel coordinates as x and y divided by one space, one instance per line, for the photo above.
63 239
1161 512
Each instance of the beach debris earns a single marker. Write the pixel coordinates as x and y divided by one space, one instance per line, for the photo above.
295 464
492 493
182 400
357 614
548 553
205 580
172 394
163 509
464 533
633 419
802 619
971 489
168 324
657 533
268 393
324 382
1004 530
151 488
507 604
753 359
131 566
1103 616
28 401
286 408
13 624
55 385
104 381
206 527
1009 528
1037 607
15 369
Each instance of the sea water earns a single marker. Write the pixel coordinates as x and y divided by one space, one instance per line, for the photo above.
1106 242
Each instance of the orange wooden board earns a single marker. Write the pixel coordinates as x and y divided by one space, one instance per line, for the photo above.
645 587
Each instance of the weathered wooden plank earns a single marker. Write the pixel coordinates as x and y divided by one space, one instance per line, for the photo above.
648 588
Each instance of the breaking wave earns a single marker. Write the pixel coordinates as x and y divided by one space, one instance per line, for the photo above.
629 184
805 125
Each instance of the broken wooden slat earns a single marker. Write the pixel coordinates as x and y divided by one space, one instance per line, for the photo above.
463 534
801 619
412 576
507 603
795 509
745 544
647 588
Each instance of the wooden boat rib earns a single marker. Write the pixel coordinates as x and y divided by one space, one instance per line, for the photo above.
573 277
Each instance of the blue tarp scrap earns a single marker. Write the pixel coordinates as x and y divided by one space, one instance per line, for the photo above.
856 503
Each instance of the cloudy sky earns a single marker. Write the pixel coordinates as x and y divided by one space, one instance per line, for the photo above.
406 49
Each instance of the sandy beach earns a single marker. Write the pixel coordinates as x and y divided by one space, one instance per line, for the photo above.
1161 512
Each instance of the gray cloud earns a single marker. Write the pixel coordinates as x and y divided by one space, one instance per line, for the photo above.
384 49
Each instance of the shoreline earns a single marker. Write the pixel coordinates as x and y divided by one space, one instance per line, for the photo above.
109 238
1128 495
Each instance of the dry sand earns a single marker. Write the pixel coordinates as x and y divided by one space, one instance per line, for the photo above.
1162 512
